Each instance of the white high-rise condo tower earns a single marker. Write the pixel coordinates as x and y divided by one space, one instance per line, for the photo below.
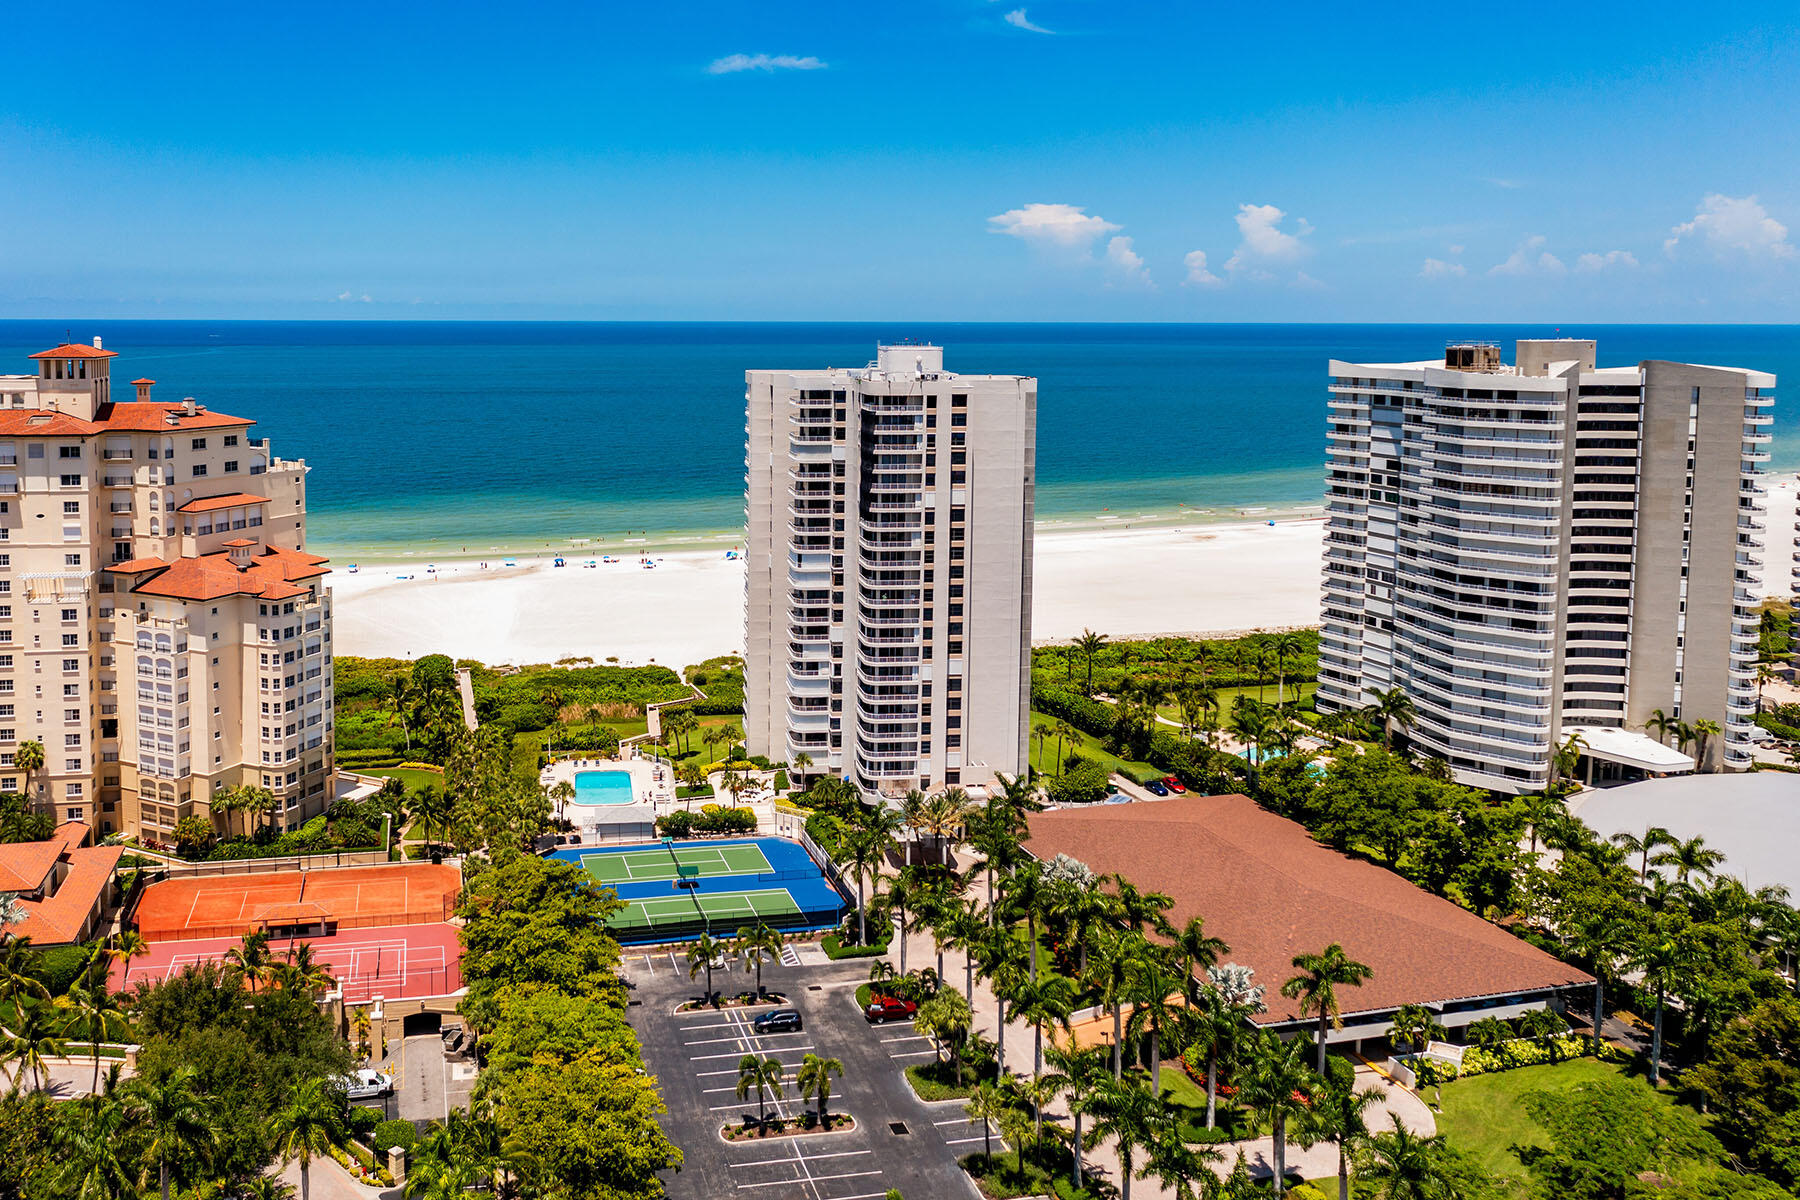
1547 549
888 598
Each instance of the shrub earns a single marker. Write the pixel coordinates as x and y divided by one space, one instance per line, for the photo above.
393 1133
712 818
363 1120
781 781
693 793
1084 783
1522 1053
835 948
57 967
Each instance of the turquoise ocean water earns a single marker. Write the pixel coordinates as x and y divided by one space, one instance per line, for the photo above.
439 438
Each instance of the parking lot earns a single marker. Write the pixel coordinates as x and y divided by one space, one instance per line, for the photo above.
900 1142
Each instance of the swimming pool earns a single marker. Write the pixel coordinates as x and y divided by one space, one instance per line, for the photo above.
603 787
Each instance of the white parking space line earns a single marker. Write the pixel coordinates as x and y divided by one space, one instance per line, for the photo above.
742 1037
647 965
907 1037
813 1180
911 1053
738 1054
776 1162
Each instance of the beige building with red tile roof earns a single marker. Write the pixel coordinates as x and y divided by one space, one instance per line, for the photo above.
1271 892
163 633
65 887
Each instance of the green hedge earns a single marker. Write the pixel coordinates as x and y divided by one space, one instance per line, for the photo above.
1477 1061
681 823
393 1133
1786 733
57 967
835 948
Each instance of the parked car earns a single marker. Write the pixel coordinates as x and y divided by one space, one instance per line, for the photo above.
1174 785
782 1020
890 1008
1156 787
366 1084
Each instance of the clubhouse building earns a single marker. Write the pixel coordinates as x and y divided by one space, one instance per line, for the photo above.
1271 892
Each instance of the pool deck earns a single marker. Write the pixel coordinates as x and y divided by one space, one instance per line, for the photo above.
653 789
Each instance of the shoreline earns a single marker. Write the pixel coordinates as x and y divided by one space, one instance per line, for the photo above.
1134 576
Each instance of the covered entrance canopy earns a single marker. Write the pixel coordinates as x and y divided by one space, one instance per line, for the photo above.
1629 748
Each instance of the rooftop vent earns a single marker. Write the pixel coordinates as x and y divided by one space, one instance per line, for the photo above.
97 344
1472 356
188 407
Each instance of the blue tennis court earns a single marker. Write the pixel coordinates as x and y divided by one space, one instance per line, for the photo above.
675 891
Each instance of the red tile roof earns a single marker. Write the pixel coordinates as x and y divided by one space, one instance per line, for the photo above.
61 916
1271 892
133 565
126 417
131 416
270 575
136 382
76 350
234 500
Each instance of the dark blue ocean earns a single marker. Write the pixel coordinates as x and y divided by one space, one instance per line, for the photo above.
433 437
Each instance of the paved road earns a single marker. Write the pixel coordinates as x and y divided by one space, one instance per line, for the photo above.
328 1181
467 689
65 1078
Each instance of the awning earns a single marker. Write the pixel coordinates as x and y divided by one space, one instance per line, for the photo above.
1612 744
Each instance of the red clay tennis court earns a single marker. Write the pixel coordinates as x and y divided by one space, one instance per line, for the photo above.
320 901
395 962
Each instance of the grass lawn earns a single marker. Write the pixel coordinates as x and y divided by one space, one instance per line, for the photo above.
1043 756
1483 1117
413 778
1228 696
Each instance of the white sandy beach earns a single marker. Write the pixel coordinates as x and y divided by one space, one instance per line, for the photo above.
1123 582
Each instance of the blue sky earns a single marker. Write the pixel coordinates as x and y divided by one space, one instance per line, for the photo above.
942 160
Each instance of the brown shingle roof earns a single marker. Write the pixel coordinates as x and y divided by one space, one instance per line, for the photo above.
1271 892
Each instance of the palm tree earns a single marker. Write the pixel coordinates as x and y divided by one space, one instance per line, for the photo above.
1287 646
35 1035
1026 891
1705 730
87 1155
1153 982
399 702
1089 644
865 845
1664 956
1216 1021
1643 847
895 900
763 1074
18 967
1126 1111
1602 939
1404 1165
1567 757
174 1119
947 1019
814 1079
1275 1084
1042 1003
1661 724
308 1126
439 1179
431 809
1110 973
1042 730
757 943
1414 1025
94 1010
29 758
1394 709
302 973
1197 952
1316 987
1065 732
700 957
988 1106
1000 965
1689 858
1250 725
1337 1115
1078 1075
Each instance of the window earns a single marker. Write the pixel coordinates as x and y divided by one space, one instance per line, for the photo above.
199 444
230 465
71 640
68 452
71 664
71 764
71 714
71 740
231 439
34 450
71 560
71 481
199 470
72 508
70 614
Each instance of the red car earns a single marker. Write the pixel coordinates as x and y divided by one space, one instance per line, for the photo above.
1174 785
890 1008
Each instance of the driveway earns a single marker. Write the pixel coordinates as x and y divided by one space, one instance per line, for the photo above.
900 1142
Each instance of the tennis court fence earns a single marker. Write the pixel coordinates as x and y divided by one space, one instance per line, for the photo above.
823 861
279 863
410 983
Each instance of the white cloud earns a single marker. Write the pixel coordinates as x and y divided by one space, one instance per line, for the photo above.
733 63
1455 249
1197 274
1587 264
1265 243
344 296
1437 268
1529 258
1734 223
1018 20
1061 225
1126 264
348 296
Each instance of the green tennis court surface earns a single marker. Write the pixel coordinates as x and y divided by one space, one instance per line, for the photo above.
676 914
640 866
